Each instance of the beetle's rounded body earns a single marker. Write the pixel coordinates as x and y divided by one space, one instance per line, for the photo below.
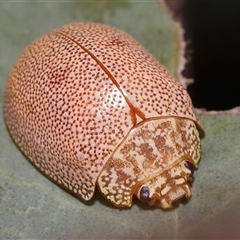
88 104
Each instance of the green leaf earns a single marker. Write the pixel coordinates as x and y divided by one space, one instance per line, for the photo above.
33 207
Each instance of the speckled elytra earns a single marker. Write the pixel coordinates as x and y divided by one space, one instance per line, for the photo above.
88 105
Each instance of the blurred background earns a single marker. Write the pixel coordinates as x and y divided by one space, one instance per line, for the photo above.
213 52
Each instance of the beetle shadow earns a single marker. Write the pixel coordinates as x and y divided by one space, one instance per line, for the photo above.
201 132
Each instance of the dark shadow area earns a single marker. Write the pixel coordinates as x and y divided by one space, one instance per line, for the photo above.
212 27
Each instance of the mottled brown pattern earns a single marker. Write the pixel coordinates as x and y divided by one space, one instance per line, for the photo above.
159 141
158 163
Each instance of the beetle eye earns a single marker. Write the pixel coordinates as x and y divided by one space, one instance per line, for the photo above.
189 166
144 194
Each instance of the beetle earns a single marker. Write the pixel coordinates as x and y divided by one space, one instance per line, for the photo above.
88 105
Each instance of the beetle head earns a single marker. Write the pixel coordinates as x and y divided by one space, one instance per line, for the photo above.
168 187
